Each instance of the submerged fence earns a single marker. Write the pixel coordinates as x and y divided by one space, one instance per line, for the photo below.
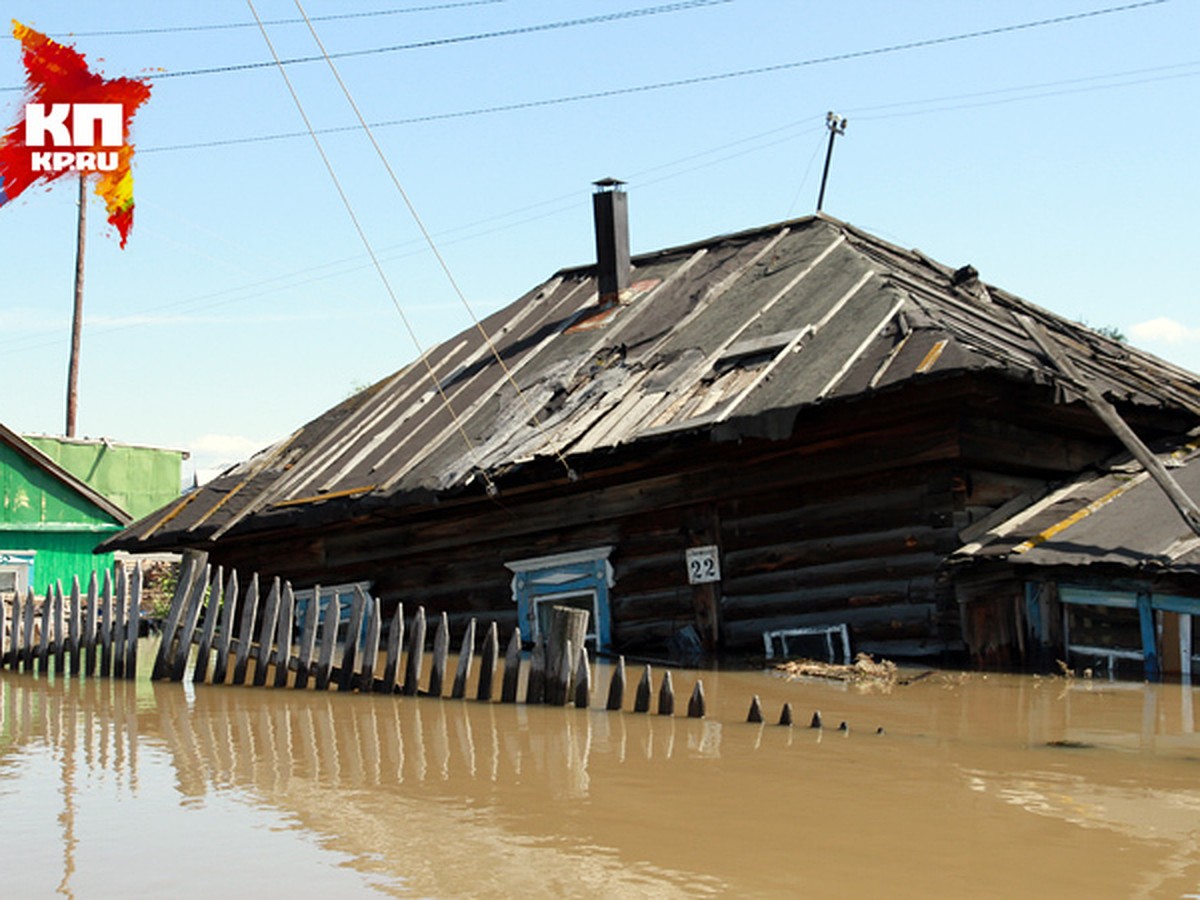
90 634
239 638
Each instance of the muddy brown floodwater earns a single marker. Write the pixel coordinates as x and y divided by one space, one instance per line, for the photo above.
997 786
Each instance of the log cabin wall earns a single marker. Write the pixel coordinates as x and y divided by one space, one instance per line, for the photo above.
849 522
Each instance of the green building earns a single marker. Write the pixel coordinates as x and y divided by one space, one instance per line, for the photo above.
60 497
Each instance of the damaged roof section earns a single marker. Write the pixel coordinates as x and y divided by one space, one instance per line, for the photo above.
1117 516
732 337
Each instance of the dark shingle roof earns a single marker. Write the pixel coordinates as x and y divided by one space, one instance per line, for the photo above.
731 336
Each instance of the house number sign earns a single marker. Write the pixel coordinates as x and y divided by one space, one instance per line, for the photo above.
703 565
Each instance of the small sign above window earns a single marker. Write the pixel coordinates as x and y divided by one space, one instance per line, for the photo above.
703 564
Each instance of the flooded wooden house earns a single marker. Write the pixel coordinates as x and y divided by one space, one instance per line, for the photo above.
766 442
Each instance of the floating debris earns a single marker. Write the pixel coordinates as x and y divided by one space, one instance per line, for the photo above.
865 670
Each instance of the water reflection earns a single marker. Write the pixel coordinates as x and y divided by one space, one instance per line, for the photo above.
1060 786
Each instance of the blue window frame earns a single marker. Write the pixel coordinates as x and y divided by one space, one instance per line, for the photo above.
582 578
344 593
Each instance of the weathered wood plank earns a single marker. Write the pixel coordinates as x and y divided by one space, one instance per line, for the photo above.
120 606
59 639
666 695
308 641
43 652
441 655
616 687
512 669
329 630
133 621
29 650
211 615
90 623
641 700
488 658
105 636
696 703
75 627
246 630
283 635
370 653
266 633
229 609
466 655
189 571
187 625
358 608
568 626
583 681
535 688
395 646
416 654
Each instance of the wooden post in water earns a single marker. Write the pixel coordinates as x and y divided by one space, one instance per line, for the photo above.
11 652
535 689
283 635
329 630
120 608
441 656
58 642
43 654
90 626
785 714
20 643
106 626
583 681
245 630
133 621
488 657
466 655
225 628
512 668
756 713
395 646
666 695
75 627
187 626
366 680
641 701
358 608
190 570
211 613
696 703
266 634
308 641
616 687
568 626
416 654
30 647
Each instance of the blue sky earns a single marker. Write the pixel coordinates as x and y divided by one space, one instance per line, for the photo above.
1059 159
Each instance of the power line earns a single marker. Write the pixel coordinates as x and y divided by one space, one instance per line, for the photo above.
230 26
661 85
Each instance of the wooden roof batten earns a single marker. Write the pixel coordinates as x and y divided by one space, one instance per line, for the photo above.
818 310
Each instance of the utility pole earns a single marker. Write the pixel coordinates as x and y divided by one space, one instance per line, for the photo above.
77 319
836 125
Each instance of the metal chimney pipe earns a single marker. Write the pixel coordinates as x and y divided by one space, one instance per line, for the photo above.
610 211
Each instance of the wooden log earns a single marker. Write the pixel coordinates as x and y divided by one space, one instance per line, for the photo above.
416 654
59 639
133 621
785 714
28 651
395 646
696 704
535 690
183 587
512 669
568 625
466 655
370 653
756 713
229 607
329 630
666 696
266 634
441 656
283 635
583 681
488 658
641 700
105 635
211 614
616 687
90 620
308 641
187 624
358 608
43 652
120 604
246 630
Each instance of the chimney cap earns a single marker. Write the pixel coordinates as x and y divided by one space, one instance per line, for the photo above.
609 183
